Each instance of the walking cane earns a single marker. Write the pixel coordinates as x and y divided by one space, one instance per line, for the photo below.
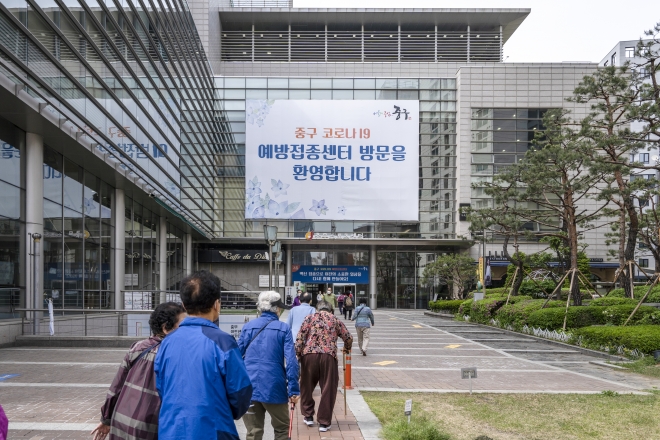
293 407
344 383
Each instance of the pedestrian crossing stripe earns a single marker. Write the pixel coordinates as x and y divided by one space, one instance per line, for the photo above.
383 363
453 346
392 319
417 326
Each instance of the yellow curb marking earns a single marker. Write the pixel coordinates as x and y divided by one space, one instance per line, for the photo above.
418 326
385 363
453 346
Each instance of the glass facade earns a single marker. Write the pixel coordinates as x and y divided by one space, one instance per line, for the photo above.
500 137
141 247
400 280
12 195
77 248
133 83
437 172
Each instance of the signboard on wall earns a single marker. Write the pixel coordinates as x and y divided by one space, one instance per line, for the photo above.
331 274
332 160
263 281
232 256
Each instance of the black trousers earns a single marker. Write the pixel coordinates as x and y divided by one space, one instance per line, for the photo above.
348 312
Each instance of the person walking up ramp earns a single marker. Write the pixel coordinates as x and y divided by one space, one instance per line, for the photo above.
316 347
364 319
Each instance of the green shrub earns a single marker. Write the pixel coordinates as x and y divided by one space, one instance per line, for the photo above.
577 317
612 301
483 310
639 292
450 306
617 315
553 318
466 307
539 289
496 291
517 314
417 429
616 293
645 338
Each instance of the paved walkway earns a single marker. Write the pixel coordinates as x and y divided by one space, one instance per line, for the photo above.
58 392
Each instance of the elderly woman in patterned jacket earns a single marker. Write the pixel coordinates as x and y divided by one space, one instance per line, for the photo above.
131 408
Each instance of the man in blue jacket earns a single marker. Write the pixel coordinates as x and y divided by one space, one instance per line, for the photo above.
200 374
266 343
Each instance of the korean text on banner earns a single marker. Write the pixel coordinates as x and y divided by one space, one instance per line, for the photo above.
332 160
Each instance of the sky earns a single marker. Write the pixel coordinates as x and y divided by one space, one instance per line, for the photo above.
555 30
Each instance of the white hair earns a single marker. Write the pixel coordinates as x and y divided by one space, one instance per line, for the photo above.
266 300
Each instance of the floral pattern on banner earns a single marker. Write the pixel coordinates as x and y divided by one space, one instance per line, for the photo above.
259 205
257 110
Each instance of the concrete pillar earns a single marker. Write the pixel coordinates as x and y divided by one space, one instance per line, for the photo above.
34 206
373 279
289 259
119 262
187 242
162 258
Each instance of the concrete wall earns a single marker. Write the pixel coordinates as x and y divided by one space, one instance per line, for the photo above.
240 274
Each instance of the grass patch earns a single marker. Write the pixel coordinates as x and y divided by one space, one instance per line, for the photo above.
606 416
646 366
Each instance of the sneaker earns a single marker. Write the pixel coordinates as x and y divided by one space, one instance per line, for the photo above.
309 421
364 353
324 428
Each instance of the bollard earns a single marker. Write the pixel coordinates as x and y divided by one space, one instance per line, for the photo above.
347 371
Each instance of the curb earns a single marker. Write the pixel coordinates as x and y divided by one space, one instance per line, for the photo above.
368 423
588 351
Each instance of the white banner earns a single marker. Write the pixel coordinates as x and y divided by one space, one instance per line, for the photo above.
332 160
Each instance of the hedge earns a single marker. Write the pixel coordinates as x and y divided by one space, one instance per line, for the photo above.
517 314
645 338
539 289
483 310
640 291
613 301
450 306
585 316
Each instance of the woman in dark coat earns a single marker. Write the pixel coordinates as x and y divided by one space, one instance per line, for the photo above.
349 305
132 405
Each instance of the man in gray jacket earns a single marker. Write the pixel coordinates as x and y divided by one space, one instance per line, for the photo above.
364 319
297 314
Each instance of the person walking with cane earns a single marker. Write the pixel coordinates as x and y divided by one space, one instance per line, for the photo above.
265 343
316 347
364 319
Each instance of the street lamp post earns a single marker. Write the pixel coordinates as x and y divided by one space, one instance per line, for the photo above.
270 235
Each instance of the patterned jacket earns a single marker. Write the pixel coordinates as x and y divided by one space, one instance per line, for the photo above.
319 334
132 404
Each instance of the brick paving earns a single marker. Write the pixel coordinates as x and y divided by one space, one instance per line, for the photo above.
58 392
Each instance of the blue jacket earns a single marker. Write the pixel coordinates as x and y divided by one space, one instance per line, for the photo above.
296 317
362 316
202 382
265 357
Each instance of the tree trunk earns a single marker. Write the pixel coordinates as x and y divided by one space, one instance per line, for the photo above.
571 229
517 282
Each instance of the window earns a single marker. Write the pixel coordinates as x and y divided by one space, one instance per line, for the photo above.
643 202
434 150
644 157
434 205
630 52
606 63
447 160
434 167
643 262
632 158
435 184
447 202
613 59
642 245
434 224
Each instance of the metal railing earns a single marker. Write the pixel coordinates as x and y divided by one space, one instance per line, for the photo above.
87 322
10 300
147 299
239 300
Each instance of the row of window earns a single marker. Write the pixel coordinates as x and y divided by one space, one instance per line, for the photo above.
335 83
